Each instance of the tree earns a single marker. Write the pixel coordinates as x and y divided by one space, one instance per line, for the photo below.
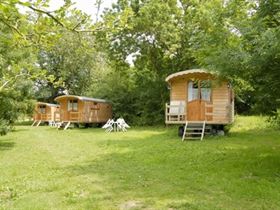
153 33
23 36
72 63
34 30
248 50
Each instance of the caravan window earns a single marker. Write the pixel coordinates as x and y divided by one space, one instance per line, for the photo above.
199 90
205 88
42 109
193 90
95 106
73 105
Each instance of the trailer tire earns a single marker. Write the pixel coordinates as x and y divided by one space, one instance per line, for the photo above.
181 131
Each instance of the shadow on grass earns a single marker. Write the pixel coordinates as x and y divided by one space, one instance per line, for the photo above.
19 129
6 144
24 123
160 166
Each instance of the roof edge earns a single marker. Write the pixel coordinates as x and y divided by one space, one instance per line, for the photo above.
82 98
48 104
186 72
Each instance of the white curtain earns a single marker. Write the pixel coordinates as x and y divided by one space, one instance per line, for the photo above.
192 91
205 86
206 94
69 107
72 105
75 106
42 110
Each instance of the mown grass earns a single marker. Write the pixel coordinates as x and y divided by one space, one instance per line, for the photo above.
145 168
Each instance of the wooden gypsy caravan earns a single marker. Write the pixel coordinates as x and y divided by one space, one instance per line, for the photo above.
45 112
79 109
199 99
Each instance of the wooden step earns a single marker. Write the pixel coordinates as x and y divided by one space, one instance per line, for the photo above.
67 125
192 137
38 123
191 127
194 133
195 122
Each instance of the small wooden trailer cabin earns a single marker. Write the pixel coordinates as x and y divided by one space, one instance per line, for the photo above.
79 109
199 96
45 112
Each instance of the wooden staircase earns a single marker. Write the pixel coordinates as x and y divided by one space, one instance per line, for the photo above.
194 130
64 125
33 124
67 125
38 123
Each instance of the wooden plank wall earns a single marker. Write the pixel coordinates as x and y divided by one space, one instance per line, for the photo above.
223 109
221 103
98 115
86 113
64 113
48 116
178 90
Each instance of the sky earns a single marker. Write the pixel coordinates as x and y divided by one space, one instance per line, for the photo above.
87 6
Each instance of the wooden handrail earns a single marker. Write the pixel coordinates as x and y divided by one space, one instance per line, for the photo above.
175 116
44 117
168 106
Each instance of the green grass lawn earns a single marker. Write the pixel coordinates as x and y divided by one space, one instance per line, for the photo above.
145 168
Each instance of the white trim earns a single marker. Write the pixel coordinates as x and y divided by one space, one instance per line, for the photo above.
190 71
82 98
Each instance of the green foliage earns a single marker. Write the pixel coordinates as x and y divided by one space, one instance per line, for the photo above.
37 35
275 118
231 38
153 35
247 48
4 127
118 88
72 63
16 102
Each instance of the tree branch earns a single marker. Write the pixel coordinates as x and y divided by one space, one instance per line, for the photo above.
48 14
12 27
10 80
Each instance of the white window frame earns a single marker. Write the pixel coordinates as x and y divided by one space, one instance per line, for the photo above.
192 95
72 105
199 93
42 109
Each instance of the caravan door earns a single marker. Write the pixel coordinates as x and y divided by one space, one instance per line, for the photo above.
199 94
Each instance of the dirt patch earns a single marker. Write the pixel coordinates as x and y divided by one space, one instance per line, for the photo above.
131 205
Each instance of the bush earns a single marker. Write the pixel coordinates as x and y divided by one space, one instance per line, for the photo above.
4 127
15 103
275 119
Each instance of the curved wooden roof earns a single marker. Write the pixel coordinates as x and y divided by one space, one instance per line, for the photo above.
48 104
82 98
186 72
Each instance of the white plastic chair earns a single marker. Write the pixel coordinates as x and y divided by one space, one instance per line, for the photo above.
58 124
51 123
109 125
106 124
122 125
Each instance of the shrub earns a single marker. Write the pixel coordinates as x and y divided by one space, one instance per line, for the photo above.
15 103
275 119
4 127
